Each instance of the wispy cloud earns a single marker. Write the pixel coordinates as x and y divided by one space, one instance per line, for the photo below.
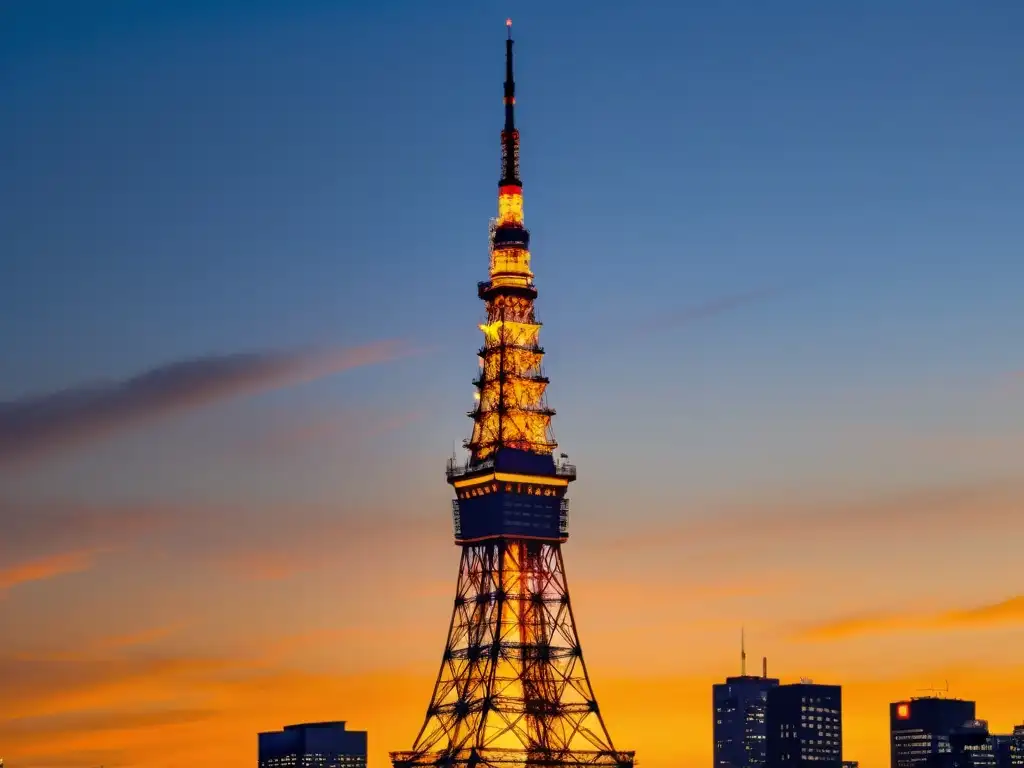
52 726
695 313
313 435
276 552
787 522
42 568
1004 612
48 531
39 425
141 637
36 686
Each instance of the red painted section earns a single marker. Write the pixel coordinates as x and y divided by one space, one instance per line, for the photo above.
510 189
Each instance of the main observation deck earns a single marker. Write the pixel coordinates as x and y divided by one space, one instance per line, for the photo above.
516 494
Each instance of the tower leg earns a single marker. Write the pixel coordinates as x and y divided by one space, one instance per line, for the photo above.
513 687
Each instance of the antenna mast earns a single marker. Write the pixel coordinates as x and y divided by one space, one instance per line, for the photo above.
743 652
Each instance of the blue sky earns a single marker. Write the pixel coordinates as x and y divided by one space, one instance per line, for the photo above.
213 177
778 247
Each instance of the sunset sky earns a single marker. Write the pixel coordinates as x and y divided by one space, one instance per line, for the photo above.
779 254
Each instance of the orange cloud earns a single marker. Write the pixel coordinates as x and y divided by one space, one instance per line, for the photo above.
36 426
44 568
796 522
63 725
279 553
66 534
142 637
38 686
313 435
1010 611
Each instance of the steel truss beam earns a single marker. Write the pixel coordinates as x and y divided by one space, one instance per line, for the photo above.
513 686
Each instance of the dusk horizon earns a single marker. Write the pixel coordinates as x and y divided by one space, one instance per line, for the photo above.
246 278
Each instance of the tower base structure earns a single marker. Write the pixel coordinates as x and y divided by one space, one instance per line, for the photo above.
513 687
503 758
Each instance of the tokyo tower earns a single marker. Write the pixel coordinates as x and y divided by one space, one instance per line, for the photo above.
513 688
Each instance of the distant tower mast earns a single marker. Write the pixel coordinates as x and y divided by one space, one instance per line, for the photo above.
743 652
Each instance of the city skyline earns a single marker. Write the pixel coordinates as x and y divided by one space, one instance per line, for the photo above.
777 257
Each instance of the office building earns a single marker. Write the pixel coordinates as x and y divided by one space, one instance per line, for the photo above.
971 746
804 724
1002 748
323 745
919 729
1017 747
739 718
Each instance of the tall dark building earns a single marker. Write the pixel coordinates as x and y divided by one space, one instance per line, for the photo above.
804 724
971 746
1002 748
919 729
323 745
739 717
1017 747
513 687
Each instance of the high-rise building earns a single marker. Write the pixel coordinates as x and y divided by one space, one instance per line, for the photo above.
739 717
1002 748
971 746
1017 747
323 745
919 729
513 687
804 724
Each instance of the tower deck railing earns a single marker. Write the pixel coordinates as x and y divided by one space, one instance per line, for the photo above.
455 469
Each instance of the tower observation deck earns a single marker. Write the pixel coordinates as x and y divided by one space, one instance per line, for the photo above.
513 688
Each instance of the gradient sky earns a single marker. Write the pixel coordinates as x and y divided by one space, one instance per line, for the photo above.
778 247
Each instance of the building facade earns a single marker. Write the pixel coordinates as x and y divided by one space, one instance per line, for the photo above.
313 745
740 705
919 729
972 746
1017 747
804 725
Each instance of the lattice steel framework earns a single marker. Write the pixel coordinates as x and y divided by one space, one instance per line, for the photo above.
513 688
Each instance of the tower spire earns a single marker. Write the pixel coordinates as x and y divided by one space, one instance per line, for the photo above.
509 135
511 410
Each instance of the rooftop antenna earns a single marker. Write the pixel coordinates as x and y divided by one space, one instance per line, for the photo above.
508 23
743 652
764 667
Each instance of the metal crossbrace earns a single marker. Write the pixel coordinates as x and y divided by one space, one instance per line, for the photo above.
513 686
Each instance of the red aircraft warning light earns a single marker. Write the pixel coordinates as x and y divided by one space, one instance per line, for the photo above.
903 711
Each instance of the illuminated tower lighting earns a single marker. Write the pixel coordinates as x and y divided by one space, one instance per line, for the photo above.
513 687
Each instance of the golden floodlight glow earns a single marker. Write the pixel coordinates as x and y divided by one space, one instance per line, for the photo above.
510 209
511 263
